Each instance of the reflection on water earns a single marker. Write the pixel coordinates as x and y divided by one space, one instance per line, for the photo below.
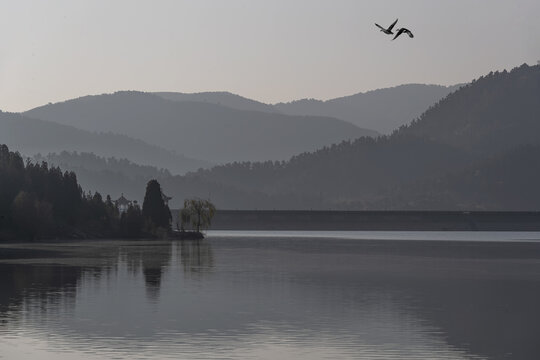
290 298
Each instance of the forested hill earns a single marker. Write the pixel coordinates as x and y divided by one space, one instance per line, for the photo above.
496 112
493 114
349 171
509 181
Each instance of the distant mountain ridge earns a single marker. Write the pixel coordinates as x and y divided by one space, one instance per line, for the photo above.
224 98
383 110
32 136
201 130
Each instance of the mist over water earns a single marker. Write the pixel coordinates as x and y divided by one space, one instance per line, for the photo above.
258 297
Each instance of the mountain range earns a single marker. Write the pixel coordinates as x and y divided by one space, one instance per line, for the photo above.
382 110
235 128
451 156
211 132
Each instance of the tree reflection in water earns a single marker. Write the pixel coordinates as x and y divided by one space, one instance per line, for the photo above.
43 286
196 257
155 260
54 276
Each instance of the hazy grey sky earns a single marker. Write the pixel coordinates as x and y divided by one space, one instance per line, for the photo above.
267 50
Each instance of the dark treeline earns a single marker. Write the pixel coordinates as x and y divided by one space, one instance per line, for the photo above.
106 175
508 181
93 162
38 201
120 176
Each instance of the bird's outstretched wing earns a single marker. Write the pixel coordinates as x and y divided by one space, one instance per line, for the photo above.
379 26
392 26
410 34
400 31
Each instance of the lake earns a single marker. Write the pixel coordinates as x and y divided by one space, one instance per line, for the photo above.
275 295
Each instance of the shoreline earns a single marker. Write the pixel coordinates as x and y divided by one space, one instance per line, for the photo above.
386 235
329 220
173 235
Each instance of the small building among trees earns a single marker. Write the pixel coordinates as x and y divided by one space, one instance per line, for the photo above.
166 199
123 204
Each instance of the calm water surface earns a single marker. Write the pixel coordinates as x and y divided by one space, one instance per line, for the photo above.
274 296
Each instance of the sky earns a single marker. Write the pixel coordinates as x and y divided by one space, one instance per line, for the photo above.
271 51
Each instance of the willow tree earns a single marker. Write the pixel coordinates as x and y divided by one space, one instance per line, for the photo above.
198 213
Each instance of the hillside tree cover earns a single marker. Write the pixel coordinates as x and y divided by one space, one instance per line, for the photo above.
475 127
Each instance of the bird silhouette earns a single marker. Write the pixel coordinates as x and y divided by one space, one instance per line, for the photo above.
403 31
389 30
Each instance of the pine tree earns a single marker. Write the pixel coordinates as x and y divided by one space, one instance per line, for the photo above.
154 211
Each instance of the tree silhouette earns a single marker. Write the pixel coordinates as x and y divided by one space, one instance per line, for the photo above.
155 213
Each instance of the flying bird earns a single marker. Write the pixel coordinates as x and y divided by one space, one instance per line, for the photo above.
403 31
389 30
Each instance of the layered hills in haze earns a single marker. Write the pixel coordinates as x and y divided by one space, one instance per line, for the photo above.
205 131
477 148
382 110
32 136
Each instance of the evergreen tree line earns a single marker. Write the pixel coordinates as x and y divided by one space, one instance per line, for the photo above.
38 201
